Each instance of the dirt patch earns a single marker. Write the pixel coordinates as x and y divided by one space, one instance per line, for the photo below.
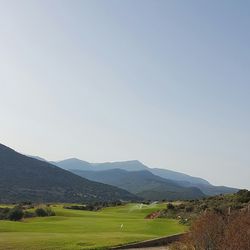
153 215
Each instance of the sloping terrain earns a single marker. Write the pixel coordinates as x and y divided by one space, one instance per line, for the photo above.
209 189
27 179
179 179
73 163
135 165
143 183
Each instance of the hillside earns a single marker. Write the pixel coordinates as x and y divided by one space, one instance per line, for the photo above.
143 183
27 179
188 210
73 163
180 179
134 165
209 189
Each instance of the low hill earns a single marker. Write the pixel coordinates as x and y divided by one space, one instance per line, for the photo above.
24 178
143 183
210 190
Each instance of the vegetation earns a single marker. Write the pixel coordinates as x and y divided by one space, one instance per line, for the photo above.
218 223
143 184
20 212
215 231
42 212
14 214
187 211
77 229
94 206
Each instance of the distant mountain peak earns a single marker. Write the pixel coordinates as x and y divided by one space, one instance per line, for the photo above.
73 163
72 159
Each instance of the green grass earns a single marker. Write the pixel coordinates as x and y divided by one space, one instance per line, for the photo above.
74 229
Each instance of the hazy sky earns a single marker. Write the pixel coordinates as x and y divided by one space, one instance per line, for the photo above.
164 82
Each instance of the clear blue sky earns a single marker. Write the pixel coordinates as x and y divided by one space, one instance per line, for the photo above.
164 82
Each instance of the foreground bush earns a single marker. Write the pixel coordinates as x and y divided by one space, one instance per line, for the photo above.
237 233
207 232
215 231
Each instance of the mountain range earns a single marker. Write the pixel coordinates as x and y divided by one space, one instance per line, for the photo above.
32 178
24 178
180 179
143 184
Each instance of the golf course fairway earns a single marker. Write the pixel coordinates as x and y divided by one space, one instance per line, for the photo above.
75 229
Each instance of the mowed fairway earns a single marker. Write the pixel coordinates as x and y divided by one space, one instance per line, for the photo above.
74 229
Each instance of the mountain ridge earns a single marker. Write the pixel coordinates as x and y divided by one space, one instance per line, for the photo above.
181 179
131 165
143 183
24 178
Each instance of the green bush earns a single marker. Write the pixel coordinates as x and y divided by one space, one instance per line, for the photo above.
243 196
15 214
42 212
4 213
28 214
50 212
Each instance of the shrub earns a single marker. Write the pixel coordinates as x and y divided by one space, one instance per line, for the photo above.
28 214
181 206
237 233
76 207
203 206
15 214
213 231
4 213
243 196
189 209
42 212
50 212
170 206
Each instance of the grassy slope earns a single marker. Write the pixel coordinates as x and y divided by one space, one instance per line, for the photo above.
72 229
